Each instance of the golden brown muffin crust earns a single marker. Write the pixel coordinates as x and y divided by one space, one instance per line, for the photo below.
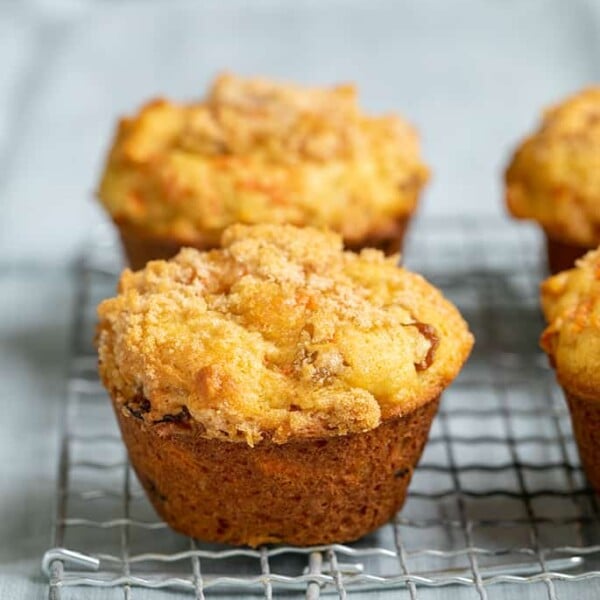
554 177
255 151
303 492
278 335
571 303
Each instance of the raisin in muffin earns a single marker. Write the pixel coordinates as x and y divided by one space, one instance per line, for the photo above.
277 389
554 178
254 151
571 302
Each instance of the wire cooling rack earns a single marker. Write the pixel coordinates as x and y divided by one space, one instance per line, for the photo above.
499 495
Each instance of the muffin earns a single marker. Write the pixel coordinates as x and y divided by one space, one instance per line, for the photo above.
254 152
554 178
571 303
277 389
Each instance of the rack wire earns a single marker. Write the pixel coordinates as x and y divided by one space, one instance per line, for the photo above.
499 495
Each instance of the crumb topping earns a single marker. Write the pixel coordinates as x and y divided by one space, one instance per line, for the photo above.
571 303
256 151
277 335
554 177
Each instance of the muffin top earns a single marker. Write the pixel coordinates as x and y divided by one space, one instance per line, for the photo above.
278 335
554 176
571 303
255 151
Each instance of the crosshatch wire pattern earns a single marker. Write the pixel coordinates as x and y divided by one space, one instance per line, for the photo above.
499 495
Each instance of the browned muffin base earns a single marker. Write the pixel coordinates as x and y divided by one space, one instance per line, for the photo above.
140 249
562 255
302 493
389 241
585 416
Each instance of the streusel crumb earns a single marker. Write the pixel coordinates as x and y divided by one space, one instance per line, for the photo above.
278 335
571 302
256 151
554 177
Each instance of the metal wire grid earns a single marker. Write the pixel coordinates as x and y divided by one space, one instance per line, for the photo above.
499 495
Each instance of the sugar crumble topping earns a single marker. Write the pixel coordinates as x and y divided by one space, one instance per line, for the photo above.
278 335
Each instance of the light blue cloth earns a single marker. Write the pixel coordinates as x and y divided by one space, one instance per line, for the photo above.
471 74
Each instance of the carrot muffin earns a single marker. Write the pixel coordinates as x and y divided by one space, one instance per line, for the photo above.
571 302
277 389
554 178
254 151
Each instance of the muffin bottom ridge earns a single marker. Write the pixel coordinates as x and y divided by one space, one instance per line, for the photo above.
562 255
389 241
303 492
585 417
139 249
